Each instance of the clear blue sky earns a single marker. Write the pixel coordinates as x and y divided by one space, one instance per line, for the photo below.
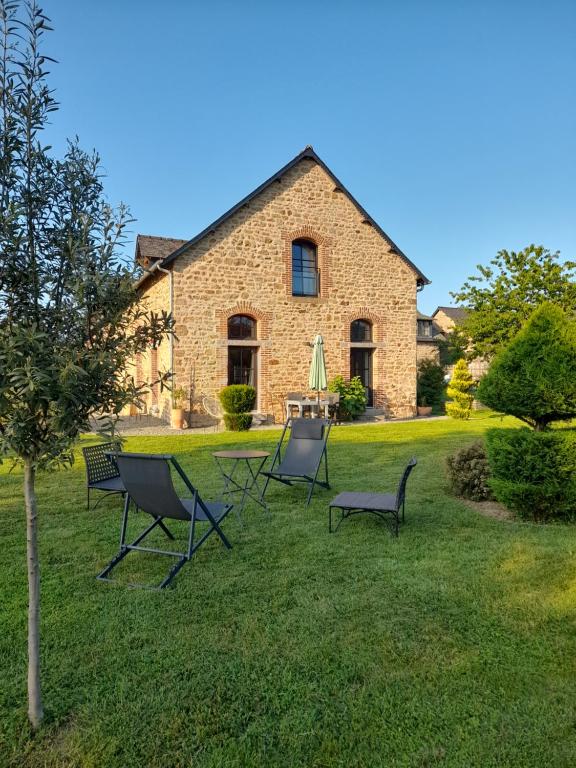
452 122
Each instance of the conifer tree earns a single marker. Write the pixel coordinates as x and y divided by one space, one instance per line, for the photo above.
459 391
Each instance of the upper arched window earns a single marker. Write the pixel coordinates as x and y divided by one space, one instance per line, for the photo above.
361 330
305 276
241 327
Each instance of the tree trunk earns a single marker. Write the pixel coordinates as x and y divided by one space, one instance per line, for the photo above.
35 711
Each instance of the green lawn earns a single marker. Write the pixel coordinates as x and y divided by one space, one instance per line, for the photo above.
454 645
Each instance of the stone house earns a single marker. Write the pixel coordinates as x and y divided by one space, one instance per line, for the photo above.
428 336
296 257
445 320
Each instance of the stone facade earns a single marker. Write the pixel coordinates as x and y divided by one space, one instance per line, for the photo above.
243 266
427 349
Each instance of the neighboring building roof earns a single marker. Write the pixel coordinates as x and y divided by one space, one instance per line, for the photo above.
454 313
307 153
149 247
437 334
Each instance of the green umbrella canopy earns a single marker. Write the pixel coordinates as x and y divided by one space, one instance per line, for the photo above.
317 379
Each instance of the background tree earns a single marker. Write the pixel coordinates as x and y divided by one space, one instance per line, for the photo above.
534 377
453 346
70 321
505 293
459 390
430 383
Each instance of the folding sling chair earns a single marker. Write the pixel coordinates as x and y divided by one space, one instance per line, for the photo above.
380 504
301 459
102 471
149 486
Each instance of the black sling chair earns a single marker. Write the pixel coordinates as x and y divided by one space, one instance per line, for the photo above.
379 504
303 454
149 486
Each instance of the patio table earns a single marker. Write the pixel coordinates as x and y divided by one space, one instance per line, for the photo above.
236 482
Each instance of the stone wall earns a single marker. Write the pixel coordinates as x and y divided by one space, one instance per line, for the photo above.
244 267
427 350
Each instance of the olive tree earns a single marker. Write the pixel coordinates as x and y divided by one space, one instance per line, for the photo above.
70 318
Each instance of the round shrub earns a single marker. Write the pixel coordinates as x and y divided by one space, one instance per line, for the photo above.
469 472
238 398
238 422
534 473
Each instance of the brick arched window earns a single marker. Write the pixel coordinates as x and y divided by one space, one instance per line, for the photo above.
242 355
305 274
360 330
241 327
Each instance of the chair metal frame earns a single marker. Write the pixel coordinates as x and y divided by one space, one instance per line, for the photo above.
289 479
199 507
397 512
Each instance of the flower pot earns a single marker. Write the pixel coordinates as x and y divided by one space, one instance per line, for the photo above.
176 418
424 410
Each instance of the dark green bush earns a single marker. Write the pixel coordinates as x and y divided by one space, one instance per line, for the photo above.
469 472
534 473
352 397
238 398
430 383
238 422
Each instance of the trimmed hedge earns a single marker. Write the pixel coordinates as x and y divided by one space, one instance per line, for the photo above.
534 473
469 472
238 398
238 422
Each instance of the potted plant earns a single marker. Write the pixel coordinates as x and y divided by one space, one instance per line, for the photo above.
178 400
423 408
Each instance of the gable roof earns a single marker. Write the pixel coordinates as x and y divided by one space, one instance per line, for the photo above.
454 313
307 153
151 247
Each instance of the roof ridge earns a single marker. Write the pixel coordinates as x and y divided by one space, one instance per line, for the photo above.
307 153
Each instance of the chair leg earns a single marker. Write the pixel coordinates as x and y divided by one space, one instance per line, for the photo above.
265 488
88 498
166 530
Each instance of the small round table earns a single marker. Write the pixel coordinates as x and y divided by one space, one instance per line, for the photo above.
250 480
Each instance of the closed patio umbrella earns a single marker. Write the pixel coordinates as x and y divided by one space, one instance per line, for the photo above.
317 378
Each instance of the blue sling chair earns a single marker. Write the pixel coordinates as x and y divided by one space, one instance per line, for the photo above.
149 486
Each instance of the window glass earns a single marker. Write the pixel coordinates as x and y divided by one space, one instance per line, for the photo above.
304 269
241 327
361 330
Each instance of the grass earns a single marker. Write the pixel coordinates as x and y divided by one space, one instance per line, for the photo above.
454 645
